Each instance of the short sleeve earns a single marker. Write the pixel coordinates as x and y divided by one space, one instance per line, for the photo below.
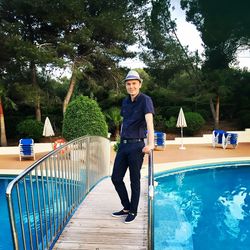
122 108
148 107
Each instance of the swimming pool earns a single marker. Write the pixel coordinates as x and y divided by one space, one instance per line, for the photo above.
31 220
205 208
5 235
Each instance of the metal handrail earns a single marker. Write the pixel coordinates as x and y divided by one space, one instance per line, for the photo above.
150 201
44 196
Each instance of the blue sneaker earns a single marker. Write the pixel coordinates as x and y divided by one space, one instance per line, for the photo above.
120 213
130 218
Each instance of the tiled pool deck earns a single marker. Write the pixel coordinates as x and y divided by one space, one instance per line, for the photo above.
200 153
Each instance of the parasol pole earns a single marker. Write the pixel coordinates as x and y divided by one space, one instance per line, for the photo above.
182 147
181 122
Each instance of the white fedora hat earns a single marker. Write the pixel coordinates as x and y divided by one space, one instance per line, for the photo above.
133 75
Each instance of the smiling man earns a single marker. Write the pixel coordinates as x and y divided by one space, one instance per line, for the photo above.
137 112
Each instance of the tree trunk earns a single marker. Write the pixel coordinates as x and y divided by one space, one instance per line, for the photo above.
37 97
2 125
215 111
117 132
212 108
71 88
38 109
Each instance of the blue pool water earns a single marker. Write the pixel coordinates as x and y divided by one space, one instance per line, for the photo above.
38 219
204 209
5 235
6 241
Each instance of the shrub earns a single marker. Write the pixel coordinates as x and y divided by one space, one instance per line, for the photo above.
171 123
30 129
194 122
159 123
83 117
116 145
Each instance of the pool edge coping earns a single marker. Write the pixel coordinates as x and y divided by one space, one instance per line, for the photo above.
159 167
163 167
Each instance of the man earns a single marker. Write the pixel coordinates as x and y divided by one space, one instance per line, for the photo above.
137 112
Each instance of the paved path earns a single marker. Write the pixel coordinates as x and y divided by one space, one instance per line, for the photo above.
172 153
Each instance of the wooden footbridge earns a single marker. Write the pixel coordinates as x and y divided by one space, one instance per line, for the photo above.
93 227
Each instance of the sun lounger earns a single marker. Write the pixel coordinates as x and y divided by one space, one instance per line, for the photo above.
160 139
224 138
231 139
218 137
26 148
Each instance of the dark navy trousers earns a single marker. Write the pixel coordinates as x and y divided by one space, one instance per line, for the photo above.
130 156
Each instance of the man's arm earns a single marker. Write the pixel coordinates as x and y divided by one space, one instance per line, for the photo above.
150 129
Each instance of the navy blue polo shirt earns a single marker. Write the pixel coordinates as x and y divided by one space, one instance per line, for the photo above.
133 113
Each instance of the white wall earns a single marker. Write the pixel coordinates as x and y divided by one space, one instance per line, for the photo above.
243 136
39 148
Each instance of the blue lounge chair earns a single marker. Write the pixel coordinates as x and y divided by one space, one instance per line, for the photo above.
160 139
224 138
218 138
26 149
231 139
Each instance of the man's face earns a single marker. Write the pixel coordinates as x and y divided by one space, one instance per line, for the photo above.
133 87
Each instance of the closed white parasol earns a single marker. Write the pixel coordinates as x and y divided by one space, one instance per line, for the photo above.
47 129
181 123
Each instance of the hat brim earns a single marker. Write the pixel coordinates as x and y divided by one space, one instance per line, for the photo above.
132 78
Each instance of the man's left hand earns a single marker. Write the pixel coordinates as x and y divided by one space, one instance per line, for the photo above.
147 149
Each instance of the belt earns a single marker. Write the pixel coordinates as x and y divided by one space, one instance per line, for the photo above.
131 140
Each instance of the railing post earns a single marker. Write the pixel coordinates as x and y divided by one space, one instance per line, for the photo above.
87 164
12 222
150 202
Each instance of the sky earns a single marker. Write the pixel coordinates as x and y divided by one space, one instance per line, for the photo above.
189 36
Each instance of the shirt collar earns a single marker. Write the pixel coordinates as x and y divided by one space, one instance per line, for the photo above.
129 97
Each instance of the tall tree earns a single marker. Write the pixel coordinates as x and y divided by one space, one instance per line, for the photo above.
5 101
27 28
97 38
3 139
166 55
224 27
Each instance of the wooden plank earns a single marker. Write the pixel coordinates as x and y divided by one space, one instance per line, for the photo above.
83 246
93 227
